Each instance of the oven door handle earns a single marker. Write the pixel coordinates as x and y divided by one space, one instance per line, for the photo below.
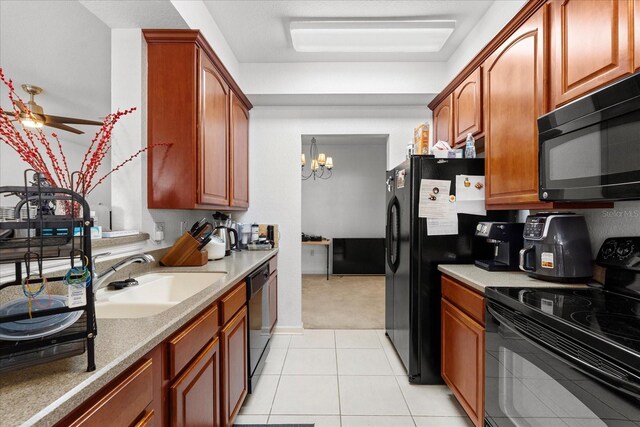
630 387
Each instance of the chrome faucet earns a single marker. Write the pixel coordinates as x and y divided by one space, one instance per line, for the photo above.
99 278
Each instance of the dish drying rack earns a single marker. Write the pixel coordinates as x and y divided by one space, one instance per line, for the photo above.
27 241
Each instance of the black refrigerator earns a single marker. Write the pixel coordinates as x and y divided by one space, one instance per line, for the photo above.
412 282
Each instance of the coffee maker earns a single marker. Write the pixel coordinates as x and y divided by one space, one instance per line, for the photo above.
507 240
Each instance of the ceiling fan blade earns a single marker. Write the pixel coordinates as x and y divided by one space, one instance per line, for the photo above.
58 119
64 127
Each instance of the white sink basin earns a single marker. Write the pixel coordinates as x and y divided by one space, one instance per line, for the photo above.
155 293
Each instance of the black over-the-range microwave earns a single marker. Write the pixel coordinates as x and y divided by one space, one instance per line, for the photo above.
590 148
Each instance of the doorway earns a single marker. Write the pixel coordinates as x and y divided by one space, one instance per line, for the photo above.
344 209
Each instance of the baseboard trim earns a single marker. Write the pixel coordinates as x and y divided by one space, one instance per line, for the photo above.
289 330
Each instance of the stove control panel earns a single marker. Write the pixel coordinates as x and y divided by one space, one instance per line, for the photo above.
620 252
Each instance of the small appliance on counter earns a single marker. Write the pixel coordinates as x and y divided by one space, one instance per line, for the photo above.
223 229
216 248
507 240
585 338
556 247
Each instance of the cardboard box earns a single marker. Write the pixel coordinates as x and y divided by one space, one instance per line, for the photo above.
421 138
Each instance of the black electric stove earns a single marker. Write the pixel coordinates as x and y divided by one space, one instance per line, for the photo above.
567 355
606 321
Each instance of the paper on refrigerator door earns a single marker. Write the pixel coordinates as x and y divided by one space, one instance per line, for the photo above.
470 197
442 226
434 199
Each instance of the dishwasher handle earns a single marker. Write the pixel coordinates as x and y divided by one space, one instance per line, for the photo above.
257 280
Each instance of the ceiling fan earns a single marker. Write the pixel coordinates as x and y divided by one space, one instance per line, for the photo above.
32 115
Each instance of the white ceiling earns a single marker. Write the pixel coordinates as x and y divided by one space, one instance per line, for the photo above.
355 139
258 30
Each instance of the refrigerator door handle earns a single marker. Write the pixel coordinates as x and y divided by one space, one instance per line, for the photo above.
393 227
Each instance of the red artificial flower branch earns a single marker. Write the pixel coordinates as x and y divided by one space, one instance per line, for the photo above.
59 175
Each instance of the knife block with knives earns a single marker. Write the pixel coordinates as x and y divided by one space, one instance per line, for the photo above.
185 252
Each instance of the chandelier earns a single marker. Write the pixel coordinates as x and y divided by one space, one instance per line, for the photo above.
321 165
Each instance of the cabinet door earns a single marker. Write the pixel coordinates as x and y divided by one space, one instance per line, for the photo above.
463 360
636 34
195 395
234 366
467 107
590 42
273 300
213 148
443 121
514 98
239 154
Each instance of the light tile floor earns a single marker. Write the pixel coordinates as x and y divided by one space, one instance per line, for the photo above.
344 378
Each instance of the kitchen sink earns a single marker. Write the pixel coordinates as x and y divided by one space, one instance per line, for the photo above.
155 293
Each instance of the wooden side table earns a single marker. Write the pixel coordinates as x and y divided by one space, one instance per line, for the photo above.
323 242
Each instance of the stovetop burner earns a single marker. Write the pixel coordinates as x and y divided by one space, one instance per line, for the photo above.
612 325
600 312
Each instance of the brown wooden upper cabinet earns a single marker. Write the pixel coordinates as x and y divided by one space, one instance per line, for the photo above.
590 45
514 97
194 104
467 107
213 150
239 153
443 121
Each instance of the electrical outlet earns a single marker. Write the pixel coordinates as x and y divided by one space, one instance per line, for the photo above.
313 252
183 227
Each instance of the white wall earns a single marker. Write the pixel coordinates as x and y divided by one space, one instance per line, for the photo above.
65 49
275 184
494 19
349 204
620 221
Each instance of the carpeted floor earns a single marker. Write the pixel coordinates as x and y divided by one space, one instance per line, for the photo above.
343 302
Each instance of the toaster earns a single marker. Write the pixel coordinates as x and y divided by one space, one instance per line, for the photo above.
556 247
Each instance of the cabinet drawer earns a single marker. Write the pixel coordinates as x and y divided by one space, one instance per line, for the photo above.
464 298
273 264
184 346
233 302
125 401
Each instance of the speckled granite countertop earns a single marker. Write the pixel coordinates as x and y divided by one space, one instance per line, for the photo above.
479 279
42 395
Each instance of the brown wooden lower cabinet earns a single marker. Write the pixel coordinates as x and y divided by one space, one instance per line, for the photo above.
196 377
463 351
148 419
273 300
195 395
122 403
234 366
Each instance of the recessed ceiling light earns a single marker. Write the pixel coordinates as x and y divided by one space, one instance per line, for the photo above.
370 36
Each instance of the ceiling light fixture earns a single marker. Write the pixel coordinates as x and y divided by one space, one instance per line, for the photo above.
370 35
321 165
